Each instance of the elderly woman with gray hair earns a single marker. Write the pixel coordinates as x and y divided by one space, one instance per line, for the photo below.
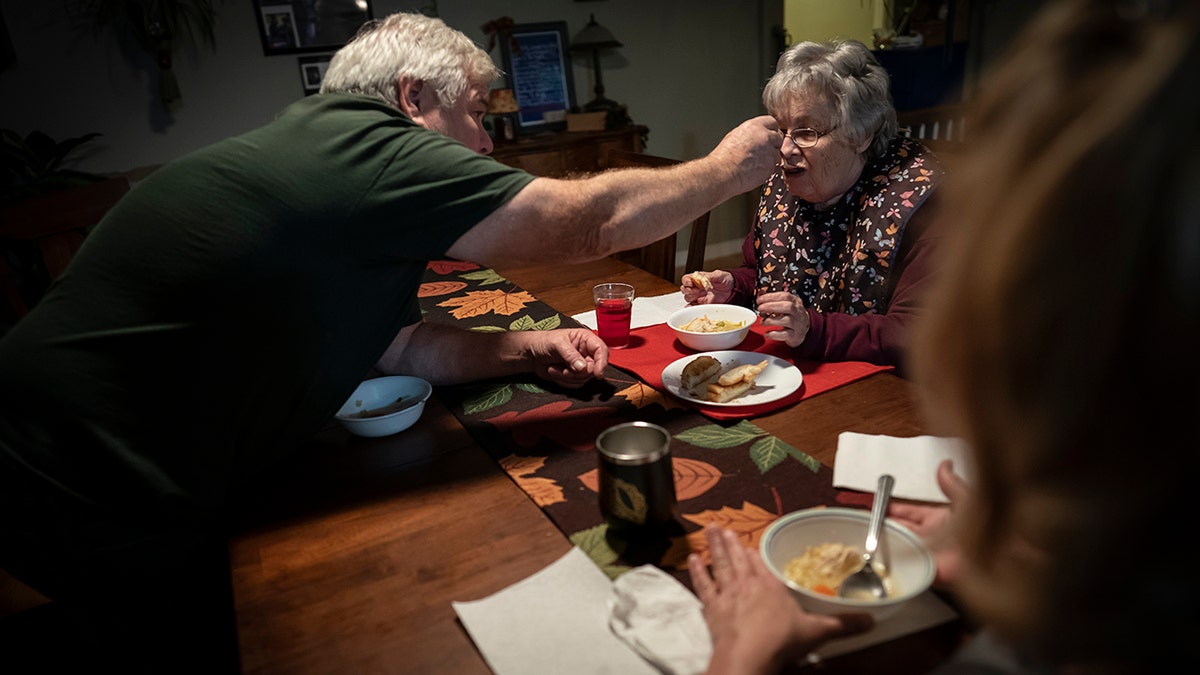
839 251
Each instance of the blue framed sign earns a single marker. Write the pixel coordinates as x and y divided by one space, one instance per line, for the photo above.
537 62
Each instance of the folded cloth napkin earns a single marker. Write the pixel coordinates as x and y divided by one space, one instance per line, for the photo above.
661 620
653 348
646 311
862 458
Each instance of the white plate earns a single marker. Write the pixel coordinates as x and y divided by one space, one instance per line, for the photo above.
780 378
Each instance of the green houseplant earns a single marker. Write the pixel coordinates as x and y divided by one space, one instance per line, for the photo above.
36 163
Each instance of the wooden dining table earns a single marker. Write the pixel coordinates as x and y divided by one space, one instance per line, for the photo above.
348 560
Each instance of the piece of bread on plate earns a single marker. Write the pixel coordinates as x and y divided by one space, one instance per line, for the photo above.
697 372
741 373
734 382
719 393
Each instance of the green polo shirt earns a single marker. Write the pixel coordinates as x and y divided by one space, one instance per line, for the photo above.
225 308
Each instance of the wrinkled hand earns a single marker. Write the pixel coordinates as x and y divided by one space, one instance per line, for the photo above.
568 357
695 294
932 523
755 624
751 151
785 316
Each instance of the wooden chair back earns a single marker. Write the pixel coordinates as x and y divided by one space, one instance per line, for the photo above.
942 128
658 258
938 123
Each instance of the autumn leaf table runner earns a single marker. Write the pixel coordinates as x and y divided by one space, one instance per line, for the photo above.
727 471
730 472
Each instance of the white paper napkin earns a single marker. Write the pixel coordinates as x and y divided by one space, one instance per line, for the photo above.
550 623
862 458
646 311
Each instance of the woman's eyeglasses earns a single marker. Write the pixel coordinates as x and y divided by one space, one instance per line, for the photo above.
804 138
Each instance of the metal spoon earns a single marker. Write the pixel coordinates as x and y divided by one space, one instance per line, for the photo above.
866 583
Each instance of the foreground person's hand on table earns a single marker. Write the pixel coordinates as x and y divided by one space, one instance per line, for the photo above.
755 624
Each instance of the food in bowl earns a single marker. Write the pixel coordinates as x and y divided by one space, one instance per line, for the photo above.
395 406
721 326
824 567
703 377
907 559
703 324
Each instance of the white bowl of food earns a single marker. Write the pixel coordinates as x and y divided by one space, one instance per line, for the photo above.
708 328
385 405
812 550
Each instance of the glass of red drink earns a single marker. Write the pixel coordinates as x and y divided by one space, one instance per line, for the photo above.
614 308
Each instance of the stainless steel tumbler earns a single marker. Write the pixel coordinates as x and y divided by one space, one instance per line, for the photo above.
637 482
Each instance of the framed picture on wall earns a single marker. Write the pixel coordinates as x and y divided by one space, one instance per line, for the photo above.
299 26
312 72
537 61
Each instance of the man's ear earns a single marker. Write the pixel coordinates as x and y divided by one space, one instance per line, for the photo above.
409 90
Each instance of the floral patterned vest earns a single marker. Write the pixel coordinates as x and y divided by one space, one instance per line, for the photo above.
839 260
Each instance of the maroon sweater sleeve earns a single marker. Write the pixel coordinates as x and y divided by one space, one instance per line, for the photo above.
744 276
880 338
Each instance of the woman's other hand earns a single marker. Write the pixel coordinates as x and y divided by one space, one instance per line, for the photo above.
706 288
785 316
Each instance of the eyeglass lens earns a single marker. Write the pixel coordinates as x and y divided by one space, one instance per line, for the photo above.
804 138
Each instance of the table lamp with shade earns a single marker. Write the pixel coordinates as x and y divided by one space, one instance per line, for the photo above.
502 104
594 38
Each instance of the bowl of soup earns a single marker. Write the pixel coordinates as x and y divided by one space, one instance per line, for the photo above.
708 328
811 551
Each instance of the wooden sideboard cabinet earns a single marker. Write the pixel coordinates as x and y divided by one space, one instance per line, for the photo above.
558 154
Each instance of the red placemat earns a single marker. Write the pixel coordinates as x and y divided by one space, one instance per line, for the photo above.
653 348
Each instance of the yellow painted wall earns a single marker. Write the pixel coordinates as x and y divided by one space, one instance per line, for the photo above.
821 20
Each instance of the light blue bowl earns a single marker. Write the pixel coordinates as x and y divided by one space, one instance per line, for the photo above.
378 393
